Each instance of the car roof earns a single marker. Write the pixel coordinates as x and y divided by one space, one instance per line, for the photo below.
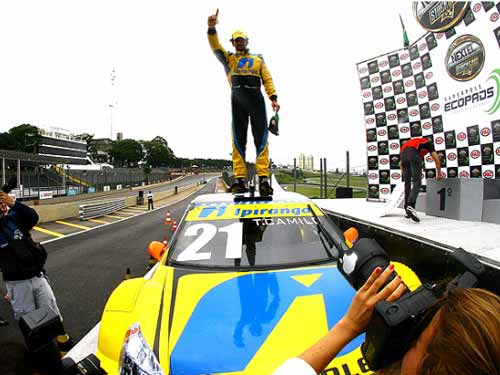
214 198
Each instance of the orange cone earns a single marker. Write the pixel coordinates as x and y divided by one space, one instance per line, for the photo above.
168 219
174 226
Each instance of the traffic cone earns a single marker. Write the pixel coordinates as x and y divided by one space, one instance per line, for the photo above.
174 226
128 274
168 219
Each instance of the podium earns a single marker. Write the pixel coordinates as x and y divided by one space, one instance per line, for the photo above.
455 198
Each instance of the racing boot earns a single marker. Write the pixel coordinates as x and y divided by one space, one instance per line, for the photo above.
265 189
238 187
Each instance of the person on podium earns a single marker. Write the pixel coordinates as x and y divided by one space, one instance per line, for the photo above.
412 155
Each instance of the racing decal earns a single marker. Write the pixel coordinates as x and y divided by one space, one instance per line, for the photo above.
250 211
255 321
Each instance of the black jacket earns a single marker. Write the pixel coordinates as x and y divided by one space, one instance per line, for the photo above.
16 225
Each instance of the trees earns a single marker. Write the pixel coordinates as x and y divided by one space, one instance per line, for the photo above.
127 152
91 145
158 154
23 137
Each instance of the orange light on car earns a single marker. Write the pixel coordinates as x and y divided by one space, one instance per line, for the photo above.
351 235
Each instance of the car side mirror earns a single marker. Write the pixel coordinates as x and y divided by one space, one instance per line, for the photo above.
157 249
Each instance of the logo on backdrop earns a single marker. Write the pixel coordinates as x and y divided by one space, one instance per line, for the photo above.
495 76
472 97
465 58
439 16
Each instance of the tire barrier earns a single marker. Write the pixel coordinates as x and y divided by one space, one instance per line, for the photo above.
92 210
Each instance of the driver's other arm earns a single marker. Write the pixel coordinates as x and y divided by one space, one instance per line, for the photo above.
437 161
317 357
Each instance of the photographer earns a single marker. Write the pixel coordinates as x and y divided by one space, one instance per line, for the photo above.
462 337
25 280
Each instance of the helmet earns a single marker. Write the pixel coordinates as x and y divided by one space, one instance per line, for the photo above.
238 34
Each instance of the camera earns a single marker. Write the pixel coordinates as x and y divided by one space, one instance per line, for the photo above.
395 325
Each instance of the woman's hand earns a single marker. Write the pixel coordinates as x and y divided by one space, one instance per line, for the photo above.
359 314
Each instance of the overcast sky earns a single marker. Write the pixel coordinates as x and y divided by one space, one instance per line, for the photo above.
57 58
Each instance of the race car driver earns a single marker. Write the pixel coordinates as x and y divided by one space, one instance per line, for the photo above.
245 72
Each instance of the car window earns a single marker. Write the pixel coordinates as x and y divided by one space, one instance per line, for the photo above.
252 236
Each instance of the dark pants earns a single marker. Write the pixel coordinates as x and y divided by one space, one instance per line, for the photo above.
248 103
150 204
412 170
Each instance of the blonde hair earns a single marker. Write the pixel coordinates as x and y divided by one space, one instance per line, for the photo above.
467 339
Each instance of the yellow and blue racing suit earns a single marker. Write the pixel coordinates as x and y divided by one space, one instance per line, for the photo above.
245 72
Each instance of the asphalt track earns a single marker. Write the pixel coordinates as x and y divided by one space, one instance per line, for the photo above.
84 269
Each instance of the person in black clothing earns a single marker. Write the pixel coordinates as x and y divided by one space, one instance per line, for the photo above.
412 154
25 281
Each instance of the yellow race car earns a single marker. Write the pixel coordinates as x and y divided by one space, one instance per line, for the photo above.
244 285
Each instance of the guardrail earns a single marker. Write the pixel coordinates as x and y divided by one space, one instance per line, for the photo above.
96 209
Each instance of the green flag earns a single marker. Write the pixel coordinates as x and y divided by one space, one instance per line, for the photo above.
406 41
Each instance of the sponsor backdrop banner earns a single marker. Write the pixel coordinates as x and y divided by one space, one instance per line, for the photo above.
445 86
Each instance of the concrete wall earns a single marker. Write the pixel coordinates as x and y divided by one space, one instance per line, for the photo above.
60 211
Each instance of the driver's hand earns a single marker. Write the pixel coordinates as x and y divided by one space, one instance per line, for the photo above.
212 20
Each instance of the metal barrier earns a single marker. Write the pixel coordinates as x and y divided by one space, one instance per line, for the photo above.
96 209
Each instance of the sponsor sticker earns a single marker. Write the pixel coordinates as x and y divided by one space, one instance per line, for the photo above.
465 58
249 211
437 16
485 132
488 174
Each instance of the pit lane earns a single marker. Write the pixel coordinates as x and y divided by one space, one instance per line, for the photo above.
84 269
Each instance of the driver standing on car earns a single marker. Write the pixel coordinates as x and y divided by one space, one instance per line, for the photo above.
245 72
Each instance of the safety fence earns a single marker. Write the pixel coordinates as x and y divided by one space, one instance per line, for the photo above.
96 209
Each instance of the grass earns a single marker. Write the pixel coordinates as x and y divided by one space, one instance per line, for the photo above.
354 181
313 192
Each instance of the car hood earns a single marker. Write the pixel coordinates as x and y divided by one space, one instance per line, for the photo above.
252 322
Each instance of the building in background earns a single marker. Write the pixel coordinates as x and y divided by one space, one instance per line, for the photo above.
103 146
60 143
309 163
306 163
119 136
302 161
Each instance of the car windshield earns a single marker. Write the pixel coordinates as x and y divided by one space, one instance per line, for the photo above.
258 235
